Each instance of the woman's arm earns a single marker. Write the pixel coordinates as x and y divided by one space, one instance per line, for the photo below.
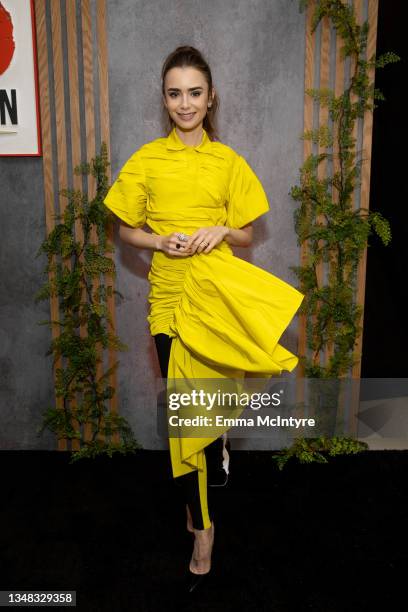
138 237
240 237
144 240
215 234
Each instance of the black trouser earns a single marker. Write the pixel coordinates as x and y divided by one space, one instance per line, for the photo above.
216 455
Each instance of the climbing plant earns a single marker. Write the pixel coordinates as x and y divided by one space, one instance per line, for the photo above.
336 234
78 267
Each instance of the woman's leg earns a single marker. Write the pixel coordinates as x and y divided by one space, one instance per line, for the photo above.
195 485
163 346
194 491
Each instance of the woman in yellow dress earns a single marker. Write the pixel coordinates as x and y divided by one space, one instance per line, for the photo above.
212 314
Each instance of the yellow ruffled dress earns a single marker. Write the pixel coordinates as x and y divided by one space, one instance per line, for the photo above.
224 314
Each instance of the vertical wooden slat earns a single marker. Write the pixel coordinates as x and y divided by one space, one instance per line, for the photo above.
88 85
357 5
103 73
323 121
59 99
88 88
310 44
355 389
105 137
47 155
45 112
73 90
338 90
74 108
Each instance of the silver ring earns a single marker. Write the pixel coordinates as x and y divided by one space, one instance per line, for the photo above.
182 237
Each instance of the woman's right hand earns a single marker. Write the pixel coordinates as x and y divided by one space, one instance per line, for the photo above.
167 244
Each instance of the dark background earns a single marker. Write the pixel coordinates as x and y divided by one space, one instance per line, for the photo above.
385 321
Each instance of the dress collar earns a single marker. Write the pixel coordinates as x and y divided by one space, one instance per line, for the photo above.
175 143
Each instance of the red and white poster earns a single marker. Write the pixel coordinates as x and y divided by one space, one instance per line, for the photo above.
19 108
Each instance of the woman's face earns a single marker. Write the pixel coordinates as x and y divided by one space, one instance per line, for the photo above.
186 97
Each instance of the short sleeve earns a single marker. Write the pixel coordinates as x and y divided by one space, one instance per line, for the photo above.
247 199
127 196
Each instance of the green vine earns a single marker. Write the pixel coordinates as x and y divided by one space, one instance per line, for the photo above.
85 323
336 234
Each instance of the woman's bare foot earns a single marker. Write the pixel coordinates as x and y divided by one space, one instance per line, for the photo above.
189 520
201 559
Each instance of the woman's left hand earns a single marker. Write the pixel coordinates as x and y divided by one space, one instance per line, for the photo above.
211 235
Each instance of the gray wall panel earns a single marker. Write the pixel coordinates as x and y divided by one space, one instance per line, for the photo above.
26 386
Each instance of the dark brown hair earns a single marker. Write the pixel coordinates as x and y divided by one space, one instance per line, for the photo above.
189 56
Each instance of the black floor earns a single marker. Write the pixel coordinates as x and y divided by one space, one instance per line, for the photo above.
320 538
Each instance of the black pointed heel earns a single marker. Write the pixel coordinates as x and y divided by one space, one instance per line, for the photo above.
195 581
